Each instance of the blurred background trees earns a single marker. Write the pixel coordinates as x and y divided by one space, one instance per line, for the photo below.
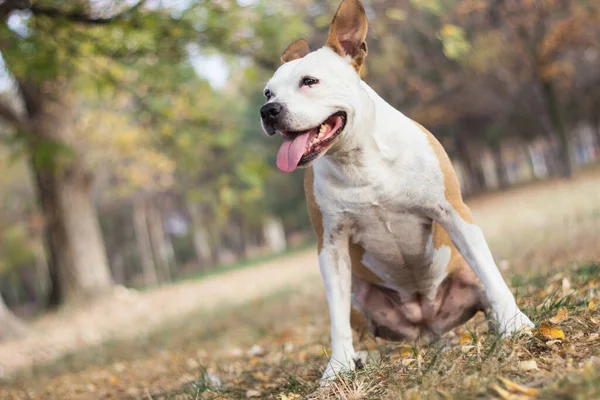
131 152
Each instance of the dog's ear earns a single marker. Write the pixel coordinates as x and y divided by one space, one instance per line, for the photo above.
348 32
296 50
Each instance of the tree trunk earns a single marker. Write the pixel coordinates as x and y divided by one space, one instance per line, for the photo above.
274 233
499 166
142 234
243 239
10 326
595 120
475 177
78 262
160 247
118 268
552 124
201 237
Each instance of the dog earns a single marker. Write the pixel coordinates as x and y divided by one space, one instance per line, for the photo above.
399 253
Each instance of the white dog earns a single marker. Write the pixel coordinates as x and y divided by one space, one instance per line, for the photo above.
395 238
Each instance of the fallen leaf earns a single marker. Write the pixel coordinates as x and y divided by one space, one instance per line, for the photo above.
592 305
528 365
466 349
113 380
445 395
289 396
407 361
253 393
504 394
515 387
254 361
551 332
261 376
466 338
561 315
406 352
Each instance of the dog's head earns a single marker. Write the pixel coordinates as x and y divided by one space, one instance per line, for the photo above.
313 97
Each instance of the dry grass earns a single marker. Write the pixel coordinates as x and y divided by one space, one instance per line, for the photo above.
547 237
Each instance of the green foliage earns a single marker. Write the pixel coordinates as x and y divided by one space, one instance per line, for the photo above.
455 43
16 248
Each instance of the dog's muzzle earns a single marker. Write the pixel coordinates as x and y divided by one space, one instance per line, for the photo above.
271 114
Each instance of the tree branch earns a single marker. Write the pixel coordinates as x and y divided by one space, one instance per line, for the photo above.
77 17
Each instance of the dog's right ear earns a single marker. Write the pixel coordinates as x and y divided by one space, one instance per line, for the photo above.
294 51
348 32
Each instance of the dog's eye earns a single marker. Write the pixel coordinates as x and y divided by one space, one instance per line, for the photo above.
268 94
308 81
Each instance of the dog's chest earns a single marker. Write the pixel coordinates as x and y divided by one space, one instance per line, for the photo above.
392 230
388 222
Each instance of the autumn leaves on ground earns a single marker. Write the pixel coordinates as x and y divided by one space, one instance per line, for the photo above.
262 332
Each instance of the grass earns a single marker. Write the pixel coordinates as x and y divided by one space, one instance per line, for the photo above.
290 328
276 347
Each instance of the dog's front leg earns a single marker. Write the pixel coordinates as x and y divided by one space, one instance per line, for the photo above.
334 262
470 242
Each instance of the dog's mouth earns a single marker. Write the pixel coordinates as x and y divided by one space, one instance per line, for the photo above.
300 148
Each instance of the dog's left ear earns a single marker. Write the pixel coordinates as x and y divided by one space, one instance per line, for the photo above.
296 50
348 32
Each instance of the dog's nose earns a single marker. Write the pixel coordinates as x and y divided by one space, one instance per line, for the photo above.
270 112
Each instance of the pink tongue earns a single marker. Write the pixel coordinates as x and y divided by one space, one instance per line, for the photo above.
291 151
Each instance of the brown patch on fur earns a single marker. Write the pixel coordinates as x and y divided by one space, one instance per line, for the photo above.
451 183
294 51
453 195
441 238
348 32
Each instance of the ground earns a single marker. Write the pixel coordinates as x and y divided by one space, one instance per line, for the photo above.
262 332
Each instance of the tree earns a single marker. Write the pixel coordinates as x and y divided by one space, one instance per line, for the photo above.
10 326
45 46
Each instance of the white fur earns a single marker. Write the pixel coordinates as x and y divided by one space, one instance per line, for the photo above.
383 199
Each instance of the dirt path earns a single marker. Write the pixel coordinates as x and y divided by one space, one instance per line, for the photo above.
129 313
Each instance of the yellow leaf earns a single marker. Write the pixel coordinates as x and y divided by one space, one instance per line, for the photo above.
113 380
504 394
289 396
445 395
561 315
592 305
466 338
406 352
551 332
515 387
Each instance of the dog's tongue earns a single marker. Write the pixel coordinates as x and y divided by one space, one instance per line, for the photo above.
291 151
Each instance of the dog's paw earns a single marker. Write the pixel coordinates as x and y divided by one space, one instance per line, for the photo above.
514 322
337 366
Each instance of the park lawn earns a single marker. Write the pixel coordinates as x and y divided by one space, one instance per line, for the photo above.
276 349
546 239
